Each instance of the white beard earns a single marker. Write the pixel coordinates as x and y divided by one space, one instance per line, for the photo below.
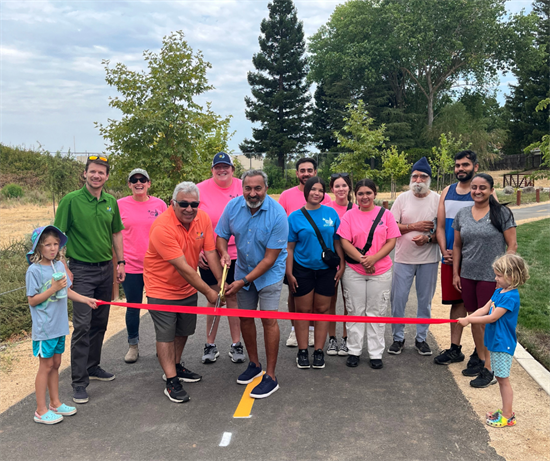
255 205
420 188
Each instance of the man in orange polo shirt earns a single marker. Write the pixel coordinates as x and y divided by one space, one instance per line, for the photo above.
170 274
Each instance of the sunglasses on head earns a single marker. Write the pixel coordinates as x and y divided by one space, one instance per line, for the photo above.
95 157
339 175
142 179
185 204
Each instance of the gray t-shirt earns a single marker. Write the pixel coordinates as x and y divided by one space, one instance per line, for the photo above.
482 243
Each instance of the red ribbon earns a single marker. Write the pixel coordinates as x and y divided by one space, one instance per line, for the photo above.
276 314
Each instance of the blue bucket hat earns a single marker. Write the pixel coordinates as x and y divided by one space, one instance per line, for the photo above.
35 238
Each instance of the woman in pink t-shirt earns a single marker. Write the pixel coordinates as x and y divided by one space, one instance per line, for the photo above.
341 187
138 211
367 283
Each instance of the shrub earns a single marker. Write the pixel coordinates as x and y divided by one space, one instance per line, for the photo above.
12 191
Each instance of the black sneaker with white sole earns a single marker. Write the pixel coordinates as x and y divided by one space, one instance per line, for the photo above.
397 347
302 359
318 359
484 379
185 374
422 347
452 355
80 395
175 392
100 374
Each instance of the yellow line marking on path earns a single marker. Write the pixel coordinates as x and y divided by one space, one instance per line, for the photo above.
245 405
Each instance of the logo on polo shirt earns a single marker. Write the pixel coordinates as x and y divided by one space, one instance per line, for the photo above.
200 235
109 209
328 222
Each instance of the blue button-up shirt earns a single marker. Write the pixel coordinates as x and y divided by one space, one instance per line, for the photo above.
254 233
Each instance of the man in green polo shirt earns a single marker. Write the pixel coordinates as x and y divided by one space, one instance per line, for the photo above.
91 220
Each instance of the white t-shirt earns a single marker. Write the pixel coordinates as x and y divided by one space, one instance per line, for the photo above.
408 209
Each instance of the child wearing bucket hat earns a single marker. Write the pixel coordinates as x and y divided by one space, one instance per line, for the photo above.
47 291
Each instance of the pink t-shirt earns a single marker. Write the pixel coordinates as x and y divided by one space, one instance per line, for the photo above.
355 227
213 201
341 210
293 199
137 218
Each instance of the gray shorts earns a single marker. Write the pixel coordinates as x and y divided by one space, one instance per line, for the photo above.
168 325
268 296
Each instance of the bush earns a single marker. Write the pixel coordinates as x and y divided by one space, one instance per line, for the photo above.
12 191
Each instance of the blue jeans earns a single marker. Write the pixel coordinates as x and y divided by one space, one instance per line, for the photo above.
133 289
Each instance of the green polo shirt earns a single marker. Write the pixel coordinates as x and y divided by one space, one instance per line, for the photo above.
89 224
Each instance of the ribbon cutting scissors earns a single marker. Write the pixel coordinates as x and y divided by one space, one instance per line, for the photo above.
221 298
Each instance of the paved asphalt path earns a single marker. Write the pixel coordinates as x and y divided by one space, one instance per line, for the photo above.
542 210
411 409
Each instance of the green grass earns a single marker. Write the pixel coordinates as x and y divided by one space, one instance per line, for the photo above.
534 315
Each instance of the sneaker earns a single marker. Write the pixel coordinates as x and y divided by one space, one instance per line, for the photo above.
185 375
332 348
132 354
292 341
376 364
100 374
267 386
175 392
236 353
501 421
397 347
210 353
484 379
311 338
474 370
64 410
343 349
47 418
352 361
451 355
302 359
318 359
80 395
422 347
250 373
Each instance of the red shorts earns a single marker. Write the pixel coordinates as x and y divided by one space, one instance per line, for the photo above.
449 294
476 293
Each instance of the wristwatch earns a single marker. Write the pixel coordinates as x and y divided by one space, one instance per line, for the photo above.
121 262
246 282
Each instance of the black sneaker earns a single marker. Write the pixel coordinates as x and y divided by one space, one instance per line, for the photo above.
187 375
80 395
302 359
175 392
451 355
100 374
352 361
422 347
318 359
484 379
475 369
376 364
396 347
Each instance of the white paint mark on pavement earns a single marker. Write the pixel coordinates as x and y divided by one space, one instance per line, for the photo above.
226 438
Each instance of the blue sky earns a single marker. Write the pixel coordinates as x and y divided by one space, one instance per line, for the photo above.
53 85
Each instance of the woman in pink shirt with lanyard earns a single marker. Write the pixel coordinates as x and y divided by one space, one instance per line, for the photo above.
341 187
138 211
368 275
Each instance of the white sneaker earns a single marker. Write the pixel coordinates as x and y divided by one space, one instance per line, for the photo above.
292 341
311 338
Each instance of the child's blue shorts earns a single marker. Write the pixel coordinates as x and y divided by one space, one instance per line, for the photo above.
48 347
501 362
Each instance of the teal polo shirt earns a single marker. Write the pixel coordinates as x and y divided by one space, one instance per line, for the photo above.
89 224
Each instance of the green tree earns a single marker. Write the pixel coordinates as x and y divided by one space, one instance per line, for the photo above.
162 128
280 98
362 142
543 145
442 161
394 166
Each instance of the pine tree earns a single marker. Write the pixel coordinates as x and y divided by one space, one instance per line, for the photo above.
526 125
280 102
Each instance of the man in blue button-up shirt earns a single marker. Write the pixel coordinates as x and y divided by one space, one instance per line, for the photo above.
260 227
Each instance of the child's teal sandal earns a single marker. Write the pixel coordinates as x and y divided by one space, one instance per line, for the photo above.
63 409
47 418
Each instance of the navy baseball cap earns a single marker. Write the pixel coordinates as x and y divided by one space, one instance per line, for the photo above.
222 157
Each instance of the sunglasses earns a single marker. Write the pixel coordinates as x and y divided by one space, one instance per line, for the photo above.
185 204
339 175
95 157
142 180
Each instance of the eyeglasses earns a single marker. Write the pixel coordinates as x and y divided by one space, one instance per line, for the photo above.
95 157
339 175
142 180
421 176
185 204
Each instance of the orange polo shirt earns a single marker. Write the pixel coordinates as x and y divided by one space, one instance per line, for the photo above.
168 240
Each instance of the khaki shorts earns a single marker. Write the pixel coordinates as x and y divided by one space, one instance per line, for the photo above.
168 325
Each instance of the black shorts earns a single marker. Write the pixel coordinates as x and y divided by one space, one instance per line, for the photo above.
321 281
208 277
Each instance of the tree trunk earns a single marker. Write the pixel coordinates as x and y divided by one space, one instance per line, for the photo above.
281 162
430 110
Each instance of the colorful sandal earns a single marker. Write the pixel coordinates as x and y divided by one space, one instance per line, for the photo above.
491 416
64 410
502 421
47 418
